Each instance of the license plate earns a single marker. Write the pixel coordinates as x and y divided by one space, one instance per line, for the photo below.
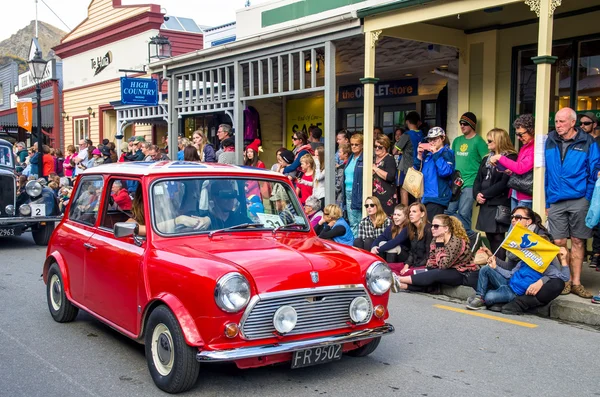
317 355
7 231
38 209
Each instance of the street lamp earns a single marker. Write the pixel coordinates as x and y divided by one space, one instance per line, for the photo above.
159 47
37 66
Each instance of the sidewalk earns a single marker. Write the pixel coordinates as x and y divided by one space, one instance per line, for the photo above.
566 307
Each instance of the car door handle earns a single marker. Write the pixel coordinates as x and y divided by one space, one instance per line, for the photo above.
89 246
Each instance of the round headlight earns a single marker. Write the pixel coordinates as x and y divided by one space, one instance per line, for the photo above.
285 319
379 278
10 209
232 292
33 188
360 309
25 210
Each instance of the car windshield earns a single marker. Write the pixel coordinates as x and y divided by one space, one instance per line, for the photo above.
6 156
199 205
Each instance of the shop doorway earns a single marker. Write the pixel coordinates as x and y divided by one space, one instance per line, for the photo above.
386 117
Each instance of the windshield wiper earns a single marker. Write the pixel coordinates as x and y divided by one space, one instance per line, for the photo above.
240 226
283 227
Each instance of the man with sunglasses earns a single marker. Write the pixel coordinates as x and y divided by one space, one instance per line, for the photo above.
571 158
469 150
588 122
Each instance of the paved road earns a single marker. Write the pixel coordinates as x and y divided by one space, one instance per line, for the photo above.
434 352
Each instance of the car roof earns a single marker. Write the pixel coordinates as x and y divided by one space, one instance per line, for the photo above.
139 168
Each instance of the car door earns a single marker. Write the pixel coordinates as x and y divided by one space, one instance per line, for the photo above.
113 268
77 230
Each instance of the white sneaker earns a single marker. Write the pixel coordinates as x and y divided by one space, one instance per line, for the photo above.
395 283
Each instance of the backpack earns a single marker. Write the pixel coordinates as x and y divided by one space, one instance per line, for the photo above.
251 124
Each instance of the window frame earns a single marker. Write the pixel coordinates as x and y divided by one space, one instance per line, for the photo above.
76 137
75 195
575 43
108 192
289 189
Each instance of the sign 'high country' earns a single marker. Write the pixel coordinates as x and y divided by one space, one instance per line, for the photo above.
143 92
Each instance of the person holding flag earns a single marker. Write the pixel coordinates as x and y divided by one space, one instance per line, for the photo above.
530 277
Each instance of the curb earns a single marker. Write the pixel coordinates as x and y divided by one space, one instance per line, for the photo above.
565 308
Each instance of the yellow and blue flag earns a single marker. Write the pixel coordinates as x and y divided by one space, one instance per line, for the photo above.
531 248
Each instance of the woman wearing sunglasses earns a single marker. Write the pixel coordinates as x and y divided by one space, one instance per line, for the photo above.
372 225
490 190
301 148
384 174
450 259
352 182
391 244
524 126
436 160
538 293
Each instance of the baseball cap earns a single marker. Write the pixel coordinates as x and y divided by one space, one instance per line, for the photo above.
590 115
131 139
140 139
435 132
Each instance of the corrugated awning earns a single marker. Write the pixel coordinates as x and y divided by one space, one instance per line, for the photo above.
10 120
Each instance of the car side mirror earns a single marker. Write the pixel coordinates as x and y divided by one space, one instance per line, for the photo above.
125 229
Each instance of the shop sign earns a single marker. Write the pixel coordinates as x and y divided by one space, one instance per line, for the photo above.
142 92
100 63
383 89
301 114
26 79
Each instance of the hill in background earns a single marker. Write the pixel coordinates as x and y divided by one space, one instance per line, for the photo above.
16 47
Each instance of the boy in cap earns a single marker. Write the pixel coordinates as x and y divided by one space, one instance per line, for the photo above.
469 149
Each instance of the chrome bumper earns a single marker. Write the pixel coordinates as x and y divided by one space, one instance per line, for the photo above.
37 219
288 347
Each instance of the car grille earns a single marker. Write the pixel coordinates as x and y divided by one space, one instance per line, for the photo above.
7 193
319 309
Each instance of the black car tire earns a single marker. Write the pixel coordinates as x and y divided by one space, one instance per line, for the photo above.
365 350
61 309
172 363
41 234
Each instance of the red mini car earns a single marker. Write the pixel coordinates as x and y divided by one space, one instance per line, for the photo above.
211 263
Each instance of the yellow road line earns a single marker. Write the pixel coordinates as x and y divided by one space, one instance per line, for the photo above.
488 316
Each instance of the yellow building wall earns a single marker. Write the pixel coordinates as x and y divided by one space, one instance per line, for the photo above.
102 14
580 25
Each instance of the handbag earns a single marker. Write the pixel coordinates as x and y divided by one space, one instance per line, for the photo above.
522 183
413 182
502 215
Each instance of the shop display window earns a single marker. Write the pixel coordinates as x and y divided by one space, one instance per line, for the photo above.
588 76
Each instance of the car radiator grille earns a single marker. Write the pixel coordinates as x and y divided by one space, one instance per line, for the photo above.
7 193
318 310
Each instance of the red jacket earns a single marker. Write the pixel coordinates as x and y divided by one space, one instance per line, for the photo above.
48 164
122 199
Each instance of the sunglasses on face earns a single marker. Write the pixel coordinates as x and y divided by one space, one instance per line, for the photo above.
521 134
436 226
463 124
519 217
490 141
355 144
586 123
378 147
326 213
369 205
294 138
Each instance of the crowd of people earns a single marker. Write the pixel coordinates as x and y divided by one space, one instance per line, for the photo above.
427 240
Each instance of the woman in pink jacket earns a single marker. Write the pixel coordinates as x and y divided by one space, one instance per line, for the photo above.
524 127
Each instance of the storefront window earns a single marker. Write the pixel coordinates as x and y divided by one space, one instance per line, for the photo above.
354 122
560 82
588 76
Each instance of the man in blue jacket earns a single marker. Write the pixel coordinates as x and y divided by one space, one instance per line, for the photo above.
571 171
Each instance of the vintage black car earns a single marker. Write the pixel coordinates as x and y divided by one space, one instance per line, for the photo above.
36 209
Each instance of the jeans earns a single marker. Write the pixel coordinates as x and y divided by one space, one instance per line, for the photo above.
354 216
514 203
463 209
501 292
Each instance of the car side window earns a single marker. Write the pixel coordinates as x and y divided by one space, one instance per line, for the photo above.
85 205
118 206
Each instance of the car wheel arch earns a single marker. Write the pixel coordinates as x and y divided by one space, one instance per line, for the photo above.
186 322
56 257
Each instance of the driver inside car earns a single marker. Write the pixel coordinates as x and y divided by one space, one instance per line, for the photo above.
224 208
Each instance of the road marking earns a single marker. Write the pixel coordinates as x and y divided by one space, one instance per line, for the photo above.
488 316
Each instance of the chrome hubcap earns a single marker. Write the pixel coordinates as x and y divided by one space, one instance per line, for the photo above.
162 349
55 292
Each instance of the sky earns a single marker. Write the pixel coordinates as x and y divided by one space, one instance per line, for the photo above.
72 12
